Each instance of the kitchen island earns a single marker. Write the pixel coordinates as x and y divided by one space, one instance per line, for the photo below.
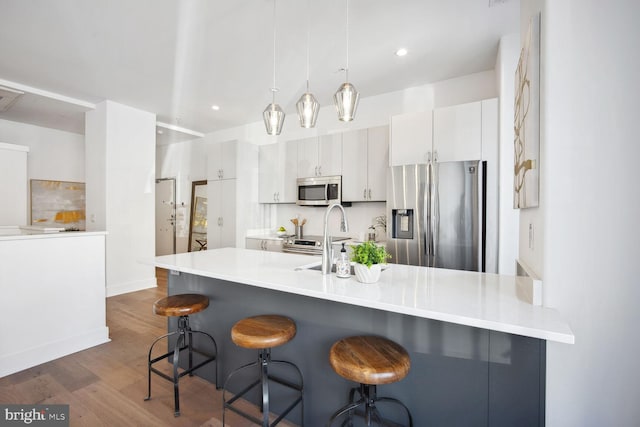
477 345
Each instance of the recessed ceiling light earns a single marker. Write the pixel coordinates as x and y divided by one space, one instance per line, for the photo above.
401 52
215 107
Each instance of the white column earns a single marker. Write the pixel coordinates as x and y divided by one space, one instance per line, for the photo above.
120 176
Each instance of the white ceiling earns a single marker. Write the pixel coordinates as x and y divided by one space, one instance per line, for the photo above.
176 58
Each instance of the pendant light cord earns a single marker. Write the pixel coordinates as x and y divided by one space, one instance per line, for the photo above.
308 38
347 70
273 88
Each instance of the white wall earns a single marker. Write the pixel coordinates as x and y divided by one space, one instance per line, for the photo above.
120 153
589 207
506 63
53 154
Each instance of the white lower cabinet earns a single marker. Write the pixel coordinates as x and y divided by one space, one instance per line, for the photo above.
273 245
221 214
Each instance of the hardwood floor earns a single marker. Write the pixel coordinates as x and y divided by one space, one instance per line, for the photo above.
106 385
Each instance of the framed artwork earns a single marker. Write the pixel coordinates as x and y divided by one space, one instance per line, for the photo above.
58 204
526 120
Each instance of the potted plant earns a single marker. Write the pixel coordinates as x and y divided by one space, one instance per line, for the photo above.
368 258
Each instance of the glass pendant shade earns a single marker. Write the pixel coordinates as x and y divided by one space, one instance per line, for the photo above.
308 108
346 101
273 118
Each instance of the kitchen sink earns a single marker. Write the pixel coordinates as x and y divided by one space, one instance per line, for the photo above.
318 267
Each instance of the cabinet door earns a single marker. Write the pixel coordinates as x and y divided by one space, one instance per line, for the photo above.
228 209
307 157
288 156
229 151
253 243
278 172
273 245
457 132
411 137
222 160
214 213
377 163
268 167
221 213
354 167
330 155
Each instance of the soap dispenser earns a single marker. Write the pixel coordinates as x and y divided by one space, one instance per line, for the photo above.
343 266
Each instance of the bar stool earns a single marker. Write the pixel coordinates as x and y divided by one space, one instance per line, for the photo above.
181 305
263 333
368 360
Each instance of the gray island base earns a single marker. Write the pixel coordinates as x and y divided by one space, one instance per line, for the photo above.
460 375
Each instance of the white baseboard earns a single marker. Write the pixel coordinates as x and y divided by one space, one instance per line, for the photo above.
46 352
137 285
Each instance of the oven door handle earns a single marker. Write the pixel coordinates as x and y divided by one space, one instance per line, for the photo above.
326 193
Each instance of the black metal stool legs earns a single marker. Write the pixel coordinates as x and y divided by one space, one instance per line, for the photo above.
264 360
183 342
368 399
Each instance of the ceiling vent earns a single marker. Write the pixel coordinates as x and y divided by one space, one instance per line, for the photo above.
8 97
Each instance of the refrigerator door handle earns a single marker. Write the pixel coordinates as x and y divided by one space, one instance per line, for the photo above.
435 212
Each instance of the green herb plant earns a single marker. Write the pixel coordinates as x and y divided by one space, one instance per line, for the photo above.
368 253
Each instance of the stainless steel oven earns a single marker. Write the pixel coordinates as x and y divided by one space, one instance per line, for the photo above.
319 190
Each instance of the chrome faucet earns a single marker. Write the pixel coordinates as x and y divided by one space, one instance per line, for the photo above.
326 241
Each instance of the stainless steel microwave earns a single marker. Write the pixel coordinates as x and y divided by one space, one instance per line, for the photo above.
319 190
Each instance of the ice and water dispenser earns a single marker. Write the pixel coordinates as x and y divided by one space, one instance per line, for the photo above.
402 223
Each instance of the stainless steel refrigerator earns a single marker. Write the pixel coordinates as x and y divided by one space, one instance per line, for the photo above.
436 215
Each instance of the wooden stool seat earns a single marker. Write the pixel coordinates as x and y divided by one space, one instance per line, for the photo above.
369 360
265 331
180 305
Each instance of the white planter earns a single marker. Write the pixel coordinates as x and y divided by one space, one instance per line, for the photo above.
365 274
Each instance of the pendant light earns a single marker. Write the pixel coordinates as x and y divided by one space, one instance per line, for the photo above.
307 106
346 98
273 115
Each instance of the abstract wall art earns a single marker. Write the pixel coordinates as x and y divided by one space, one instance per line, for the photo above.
526 121
58 204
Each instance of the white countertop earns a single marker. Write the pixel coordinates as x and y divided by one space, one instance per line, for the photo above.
8 233
488 301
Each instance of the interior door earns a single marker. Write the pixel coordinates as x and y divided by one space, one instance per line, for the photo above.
165 216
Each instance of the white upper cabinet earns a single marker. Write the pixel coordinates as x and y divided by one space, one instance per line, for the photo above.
378 162
411 137
354 168
222 160
278 172
330 155
365 155
320 156
457 132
